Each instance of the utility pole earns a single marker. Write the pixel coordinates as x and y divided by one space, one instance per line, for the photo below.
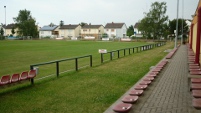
5 20
175 46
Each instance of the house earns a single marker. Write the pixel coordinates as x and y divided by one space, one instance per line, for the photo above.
8 30
137 33
92 31
115 30
69 31
50 31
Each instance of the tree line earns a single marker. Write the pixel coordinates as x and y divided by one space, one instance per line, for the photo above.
156 24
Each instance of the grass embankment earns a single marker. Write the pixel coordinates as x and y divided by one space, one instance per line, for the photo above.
91 90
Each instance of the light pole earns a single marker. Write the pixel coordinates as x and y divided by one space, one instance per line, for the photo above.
175 45
182 27
5 20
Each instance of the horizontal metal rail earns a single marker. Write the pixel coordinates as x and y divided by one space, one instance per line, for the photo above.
62 60
138 49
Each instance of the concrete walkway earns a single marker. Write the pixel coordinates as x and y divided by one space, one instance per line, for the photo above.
169 92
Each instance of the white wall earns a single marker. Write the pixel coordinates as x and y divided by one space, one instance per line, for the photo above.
45 34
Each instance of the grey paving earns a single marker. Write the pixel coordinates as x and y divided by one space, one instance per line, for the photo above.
169 92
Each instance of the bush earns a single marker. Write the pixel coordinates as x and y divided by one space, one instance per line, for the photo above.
2 37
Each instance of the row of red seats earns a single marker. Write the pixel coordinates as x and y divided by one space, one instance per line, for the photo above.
195 79
27 75
169 56
127 101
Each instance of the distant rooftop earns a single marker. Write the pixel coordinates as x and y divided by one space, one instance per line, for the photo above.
114 25
9 26
48 28
68 26
91 26
136 25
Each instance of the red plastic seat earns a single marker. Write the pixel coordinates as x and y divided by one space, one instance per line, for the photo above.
155 70
148 78
5 80
24 75
194 67
130 99
196 93
197 103
196 80
191 58
145 82
136 92
151 75
32 74
140 87
159 66
195 86
15 78
155 73
195 72
122 107
193 64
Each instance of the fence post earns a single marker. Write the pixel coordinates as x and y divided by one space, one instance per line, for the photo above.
129 51
110 55
57 71
101 57
32 80
76 64
133 50
118 53
124 52
90 60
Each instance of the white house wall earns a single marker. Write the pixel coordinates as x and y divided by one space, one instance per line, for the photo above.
46 34
110 32
77 31
118 33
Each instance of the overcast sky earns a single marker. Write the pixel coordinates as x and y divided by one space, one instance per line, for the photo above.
90 11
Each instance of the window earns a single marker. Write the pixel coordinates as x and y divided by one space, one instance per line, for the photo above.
42 32
84 30
107 29
69 31
112 30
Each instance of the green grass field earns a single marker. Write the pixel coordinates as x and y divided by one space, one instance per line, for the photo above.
90 90
17 56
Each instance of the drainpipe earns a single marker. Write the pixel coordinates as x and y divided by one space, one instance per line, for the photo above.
197 55
191 42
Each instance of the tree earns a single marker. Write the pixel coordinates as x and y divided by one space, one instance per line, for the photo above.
172 26
130 31
26 24
1 32
13 31
83 24
155 21
61 23
104 35
51 24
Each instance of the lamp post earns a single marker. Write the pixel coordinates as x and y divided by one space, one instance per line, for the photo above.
182 27
5 20
175 46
